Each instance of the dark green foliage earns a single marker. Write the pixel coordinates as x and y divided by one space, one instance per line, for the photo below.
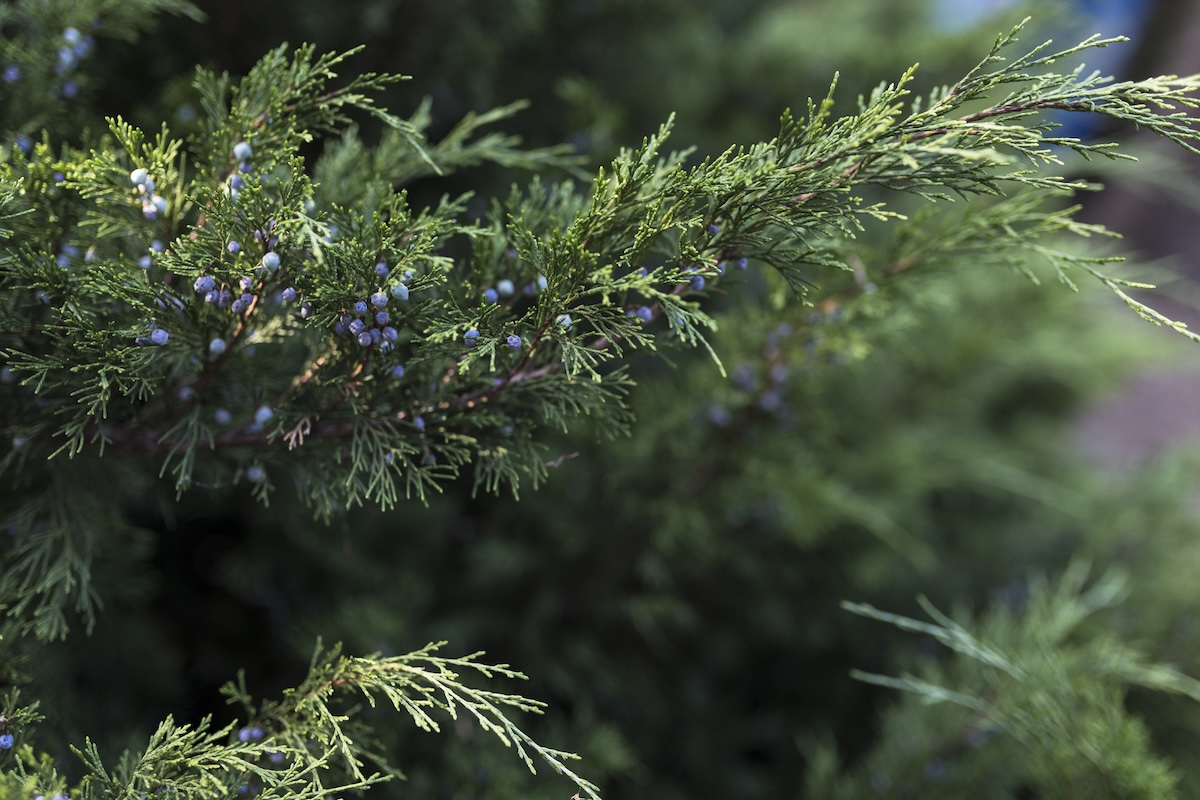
871 411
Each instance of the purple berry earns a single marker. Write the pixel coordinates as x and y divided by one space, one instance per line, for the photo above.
216 347
360 308
513 341
224 297
698 283
742 263
356 327
288 295
234 247
263 414
381 269
246 283
143 262
6 741
376 336
382 318
12 73
237 306
212 296
400 291
644 314
70 89
222 417
204 283
398 371
419 421
306 310
379 300
159 336
390 334
471 336
713 230
364 339
491 296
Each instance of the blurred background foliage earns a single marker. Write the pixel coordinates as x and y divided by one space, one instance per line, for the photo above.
675 595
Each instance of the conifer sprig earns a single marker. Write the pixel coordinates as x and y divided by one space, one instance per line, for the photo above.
211 304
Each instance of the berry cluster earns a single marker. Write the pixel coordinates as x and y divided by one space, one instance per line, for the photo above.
75 47
152 204
242 152
223 297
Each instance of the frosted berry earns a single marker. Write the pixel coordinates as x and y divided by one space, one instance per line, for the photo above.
360 308
513 341
644 314
381 269
389 334
237 306
159 336
12 73
713 230
6 741
490 295
71 36
222 417
216 347
398 371
697 283
400 291
143 262
254 474
156 245
70 89
288 295
364 339
242 151
356 327
138 177
234 247
212 296
270 261
379 300
376 336
263 414
419 421
505 288
382 318
471 336
306 310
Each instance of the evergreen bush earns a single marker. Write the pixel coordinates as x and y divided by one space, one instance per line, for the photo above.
278 307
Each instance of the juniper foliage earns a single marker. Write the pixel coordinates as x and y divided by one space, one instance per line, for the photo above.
111 239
